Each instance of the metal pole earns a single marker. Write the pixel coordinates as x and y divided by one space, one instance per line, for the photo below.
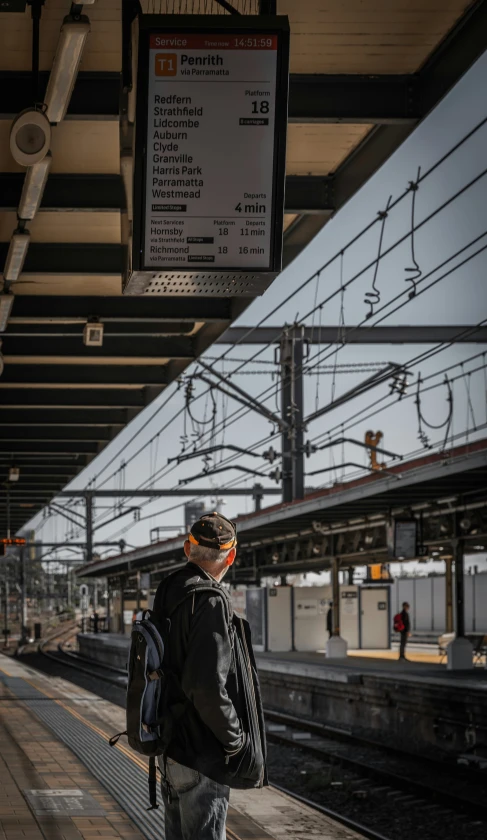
459 547
449 594
23 604
89 527
257 497
335 583
122 622
108 610
291 360
48 587
6 631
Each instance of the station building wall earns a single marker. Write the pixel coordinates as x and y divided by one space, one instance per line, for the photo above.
427 599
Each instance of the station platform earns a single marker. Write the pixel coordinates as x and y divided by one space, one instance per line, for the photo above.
417 668
62 781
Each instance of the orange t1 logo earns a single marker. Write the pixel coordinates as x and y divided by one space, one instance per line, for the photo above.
166 64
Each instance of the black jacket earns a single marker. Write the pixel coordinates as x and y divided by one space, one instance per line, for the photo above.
406 621
210 653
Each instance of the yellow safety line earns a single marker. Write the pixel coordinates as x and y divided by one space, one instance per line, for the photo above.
125 750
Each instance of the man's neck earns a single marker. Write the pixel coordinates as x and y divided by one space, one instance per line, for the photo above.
217 578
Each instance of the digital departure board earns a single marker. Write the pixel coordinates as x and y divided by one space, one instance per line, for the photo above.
210 154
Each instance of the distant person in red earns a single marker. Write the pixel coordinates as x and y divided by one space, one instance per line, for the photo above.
406 631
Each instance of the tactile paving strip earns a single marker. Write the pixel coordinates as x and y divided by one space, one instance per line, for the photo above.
118 774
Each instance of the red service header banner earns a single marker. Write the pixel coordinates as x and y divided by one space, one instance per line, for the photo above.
213 42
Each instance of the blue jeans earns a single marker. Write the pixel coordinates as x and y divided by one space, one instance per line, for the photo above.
195 807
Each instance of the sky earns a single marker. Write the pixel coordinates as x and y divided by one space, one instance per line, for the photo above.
460 298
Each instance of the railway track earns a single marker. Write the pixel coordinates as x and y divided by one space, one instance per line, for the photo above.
368 762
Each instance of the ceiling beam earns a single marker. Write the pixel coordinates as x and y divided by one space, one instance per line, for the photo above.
112 329
353 98
55 433
60 447
69 258
117 398
360 335
94 94
48 471
94 374
105 192
320 98
81 192
120 308
309 194
64 417
173 347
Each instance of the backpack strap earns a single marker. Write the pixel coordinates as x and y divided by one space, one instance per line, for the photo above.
152 784
209 587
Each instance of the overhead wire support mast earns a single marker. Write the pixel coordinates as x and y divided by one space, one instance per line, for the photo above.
249 401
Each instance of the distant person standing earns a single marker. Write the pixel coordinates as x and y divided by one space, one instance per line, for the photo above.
329 620
405 630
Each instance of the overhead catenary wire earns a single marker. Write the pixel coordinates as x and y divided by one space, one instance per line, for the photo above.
436 373
289 297
316 273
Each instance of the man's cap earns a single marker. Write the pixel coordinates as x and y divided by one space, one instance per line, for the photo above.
213 530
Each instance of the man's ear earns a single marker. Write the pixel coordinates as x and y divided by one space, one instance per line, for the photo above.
231 556
187 547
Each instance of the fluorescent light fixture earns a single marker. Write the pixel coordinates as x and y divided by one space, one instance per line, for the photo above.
13 474
6 303
16 255
34 183
72 39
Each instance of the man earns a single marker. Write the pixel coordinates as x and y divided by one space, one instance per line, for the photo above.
209 745
406 631
329 620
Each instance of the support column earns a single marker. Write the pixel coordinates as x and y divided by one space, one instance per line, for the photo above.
449 594
460 650
108 608
138 592
6 628
122 623
89 527
336 647
23 603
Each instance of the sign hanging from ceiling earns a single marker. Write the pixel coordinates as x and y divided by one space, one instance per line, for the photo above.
211 121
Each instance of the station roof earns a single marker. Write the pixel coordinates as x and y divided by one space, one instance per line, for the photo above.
362 74
457 476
